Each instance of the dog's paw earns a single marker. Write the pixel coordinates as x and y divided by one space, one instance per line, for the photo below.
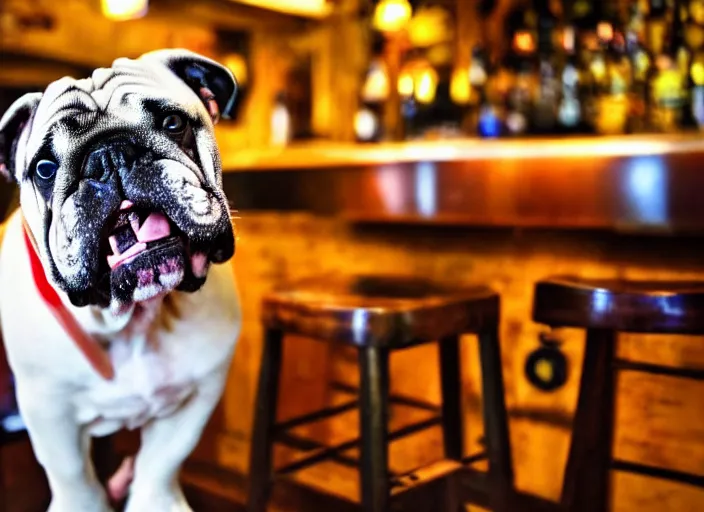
82 496
157 500
66 505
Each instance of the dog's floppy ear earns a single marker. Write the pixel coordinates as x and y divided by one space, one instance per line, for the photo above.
11 124
213 82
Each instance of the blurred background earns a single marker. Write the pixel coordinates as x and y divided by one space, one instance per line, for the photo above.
346 70
470 140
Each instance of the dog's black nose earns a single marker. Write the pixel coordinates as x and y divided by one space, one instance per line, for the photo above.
108 158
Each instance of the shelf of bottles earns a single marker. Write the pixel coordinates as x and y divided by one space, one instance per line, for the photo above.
564 67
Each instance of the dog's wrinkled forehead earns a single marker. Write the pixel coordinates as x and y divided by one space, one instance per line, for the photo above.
125 97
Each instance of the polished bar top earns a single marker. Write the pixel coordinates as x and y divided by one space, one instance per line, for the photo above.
651 183
326 155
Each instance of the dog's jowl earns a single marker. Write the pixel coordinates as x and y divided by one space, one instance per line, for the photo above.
117 305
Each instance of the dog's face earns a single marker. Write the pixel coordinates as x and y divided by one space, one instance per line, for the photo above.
120 176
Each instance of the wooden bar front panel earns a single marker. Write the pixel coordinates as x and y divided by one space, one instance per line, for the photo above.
659 418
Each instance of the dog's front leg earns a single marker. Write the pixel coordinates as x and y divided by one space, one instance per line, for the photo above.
166 443
62 447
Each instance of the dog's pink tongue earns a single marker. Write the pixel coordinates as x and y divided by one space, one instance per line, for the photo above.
155 227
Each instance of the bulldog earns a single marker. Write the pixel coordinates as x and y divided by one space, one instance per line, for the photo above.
111 313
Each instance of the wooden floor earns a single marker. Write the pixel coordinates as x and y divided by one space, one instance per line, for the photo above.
23 486
215 490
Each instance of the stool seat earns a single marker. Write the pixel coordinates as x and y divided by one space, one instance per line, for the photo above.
368 310
628 306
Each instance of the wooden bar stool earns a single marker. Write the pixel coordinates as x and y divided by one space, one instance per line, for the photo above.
604 308
376 315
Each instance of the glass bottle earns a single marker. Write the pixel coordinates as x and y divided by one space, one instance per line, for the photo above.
547 93
569 112
614 105
583 18
489 118
522 67
640 61
280 121
667 81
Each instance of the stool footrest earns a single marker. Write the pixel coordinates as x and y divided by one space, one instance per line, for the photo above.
471 459
423 475
657 472
655 369
328 452
305 444
316 416
393 399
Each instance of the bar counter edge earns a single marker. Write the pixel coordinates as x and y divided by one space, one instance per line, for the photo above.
627 183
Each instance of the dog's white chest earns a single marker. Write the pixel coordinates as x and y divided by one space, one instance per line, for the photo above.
149 383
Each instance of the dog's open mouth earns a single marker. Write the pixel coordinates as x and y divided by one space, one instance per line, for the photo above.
148 256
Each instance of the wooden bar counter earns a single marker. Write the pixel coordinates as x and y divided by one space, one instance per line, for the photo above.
470 211
639 183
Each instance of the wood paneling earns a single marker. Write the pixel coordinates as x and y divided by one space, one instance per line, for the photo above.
78 24
273 248
338 55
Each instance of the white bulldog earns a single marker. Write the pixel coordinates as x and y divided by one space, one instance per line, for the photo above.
111 314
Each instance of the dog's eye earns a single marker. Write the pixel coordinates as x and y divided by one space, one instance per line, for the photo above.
173 123
46 169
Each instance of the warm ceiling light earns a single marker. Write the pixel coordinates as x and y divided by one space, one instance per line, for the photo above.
392 15
430 26
122 10
308 8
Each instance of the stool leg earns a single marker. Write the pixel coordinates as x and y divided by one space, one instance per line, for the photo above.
451 385
586 483
496 421
374 398
261 463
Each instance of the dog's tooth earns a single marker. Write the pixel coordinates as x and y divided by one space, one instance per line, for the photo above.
199 264
126 205
115 260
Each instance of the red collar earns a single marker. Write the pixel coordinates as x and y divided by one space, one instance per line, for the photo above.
96 356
